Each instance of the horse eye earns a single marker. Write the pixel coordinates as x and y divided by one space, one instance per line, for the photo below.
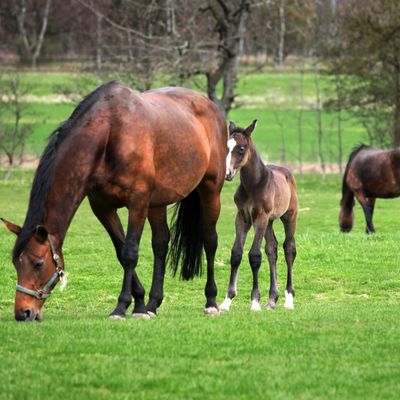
39 263
241 149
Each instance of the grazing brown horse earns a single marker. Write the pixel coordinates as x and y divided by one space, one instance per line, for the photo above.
126 149
265 193
370 173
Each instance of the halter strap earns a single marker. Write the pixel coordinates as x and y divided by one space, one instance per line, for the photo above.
59 273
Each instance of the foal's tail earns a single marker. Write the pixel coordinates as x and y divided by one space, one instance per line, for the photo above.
187 237
346 216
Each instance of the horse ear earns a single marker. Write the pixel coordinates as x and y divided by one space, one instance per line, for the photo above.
247 132
41 233
12 227
232 127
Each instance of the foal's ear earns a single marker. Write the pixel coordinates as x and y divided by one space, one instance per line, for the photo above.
41 233
248 131
12 227
232 127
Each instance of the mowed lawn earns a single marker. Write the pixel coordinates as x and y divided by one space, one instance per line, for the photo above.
340 342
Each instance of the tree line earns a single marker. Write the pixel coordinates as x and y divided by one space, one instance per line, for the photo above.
356 42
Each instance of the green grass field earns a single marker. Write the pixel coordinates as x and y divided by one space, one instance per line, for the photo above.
340 342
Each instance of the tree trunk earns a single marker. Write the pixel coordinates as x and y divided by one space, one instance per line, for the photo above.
282 32
319 119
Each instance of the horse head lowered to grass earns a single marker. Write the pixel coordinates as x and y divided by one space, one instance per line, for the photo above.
370 174
142 151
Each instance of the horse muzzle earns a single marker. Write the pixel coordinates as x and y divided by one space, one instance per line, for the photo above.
27 314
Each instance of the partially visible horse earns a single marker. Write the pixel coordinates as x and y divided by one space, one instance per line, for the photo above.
142 151
265 193
370 174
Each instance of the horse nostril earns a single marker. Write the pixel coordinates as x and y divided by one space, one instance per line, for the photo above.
25 314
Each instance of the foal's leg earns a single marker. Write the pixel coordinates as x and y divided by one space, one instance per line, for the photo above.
260 225
271 248
160 238
368 211
289 246
210 209
111 222
242 227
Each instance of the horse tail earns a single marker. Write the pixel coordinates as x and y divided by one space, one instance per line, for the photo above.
346 216
187 237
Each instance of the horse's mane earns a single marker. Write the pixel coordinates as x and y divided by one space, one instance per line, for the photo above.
44 174
353 153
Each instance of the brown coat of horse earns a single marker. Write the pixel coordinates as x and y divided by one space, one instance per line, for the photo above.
370 174
142 151
265 193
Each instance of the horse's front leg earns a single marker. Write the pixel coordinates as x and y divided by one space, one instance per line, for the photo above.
260 225
242 227
131 285
271 248
368 211
160 238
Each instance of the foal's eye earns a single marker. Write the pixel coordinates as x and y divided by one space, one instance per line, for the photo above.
241 149
39 263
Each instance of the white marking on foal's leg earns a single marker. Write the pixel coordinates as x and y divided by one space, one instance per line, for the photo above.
289 300
226 304
255 306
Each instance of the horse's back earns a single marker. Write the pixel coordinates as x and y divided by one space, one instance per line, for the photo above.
164 141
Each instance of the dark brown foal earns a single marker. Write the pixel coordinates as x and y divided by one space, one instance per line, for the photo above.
265 193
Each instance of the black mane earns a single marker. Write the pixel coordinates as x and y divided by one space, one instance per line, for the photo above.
44 174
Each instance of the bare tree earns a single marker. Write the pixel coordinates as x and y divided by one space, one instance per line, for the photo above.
32 32
13 134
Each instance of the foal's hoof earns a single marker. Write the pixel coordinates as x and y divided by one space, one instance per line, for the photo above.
116 317
141 315
151 314
226 304
271 305
255 306
289 301
212 311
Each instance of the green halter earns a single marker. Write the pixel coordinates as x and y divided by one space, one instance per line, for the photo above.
59 273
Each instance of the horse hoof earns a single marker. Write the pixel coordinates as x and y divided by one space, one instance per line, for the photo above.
255 306
211 311
270 306
151 314
141 316
116 317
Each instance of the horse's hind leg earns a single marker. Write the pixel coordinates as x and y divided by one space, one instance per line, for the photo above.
160 238
111 222
289 247
210 209
271 248
242 227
